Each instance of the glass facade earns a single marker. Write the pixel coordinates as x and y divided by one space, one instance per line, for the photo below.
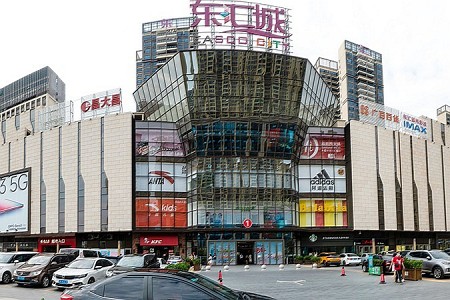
240 119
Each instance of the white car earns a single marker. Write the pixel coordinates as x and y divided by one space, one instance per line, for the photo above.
10 261
81 271
162 263
348 259
174 260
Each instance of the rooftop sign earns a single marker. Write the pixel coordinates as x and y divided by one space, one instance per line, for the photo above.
236 24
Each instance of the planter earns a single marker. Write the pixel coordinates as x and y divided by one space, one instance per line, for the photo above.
412 274
197 267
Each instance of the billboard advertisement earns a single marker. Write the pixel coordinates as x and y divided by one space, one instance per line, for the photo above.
321 179
241 25
322 212
14 201
158 142
101 104
384 116
322 146
161 212
160 177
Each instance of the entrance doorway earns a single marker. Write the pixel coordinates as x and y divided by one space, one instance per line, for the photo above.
244 253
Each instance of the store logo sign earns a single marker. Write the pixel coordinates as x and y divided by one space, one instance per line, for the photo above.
160 177
313 238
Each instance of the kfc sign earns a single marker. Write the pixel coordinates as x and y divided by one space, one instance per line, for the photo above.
100 104
165 240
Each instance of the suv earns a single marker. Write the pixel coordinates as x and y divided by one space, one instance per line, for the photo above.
10 261
80 252
40 268
329 258
134 262
435 262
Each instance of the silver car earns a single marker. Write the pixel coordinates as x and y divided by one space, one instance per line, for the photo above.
435 262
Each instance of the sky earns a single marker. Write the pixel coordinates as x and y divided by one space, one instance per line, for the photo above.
92 45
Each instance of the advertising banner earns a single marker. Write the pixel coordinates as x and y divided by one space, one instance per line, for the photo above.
321 179
317 146
158 142
322 212
101 104
161 212
160 177
14 201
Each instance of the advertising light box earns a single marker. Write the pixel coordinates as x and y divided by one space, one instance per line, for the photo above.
321 179
14 201
160 177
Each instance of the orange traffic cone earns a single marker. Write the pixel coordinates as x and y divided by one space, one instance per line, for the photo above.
220 277
382 281
343 272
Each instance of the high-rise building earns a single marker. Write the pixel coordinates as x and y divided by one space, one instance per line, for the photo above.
361 77
160 41
329 71
38 83
443 114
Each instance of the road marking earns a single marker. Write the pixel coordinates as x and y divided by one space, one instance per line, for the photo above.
300 282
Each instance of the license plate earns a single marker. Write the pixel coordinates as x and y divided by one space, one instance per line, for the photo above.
63 281
20 278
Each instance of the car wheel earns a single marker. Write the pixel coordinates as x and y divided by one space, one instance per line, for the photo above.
327 264
91 280
364 268
6 278
20 284
438 273
45 282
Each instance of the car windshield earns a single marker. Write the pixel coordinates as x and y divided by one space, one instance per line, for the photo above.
351 254
39 260
440 255
81 264
4 258
131 261
210 284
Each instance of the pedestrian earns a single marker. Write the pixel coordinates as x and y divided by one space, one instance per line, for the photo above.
392 267
399 266
210 259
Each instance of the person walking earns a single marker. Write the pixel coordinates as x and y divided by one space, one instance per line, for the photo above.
398 266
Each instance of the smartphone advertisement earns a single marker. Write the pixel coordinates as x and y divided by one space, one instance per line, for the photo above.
14 201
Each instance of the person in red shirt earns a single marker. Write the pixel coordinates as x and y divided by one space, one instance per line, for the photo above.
398 267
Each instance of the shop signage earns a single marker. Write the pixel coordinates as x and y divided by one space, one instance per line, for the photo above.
247 223
165 240
158 142
55 241
313 238
238 24
160 177
323 147
157 212
100 104
321 179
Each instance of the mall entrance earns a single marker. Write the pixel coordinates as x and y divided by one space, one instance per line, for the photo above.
244 253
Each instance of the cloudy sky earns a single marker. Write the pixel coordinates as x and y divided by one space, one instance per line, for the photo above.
92 44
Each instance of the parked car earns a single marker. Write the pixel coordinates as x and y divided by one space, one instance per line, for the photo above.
404 252
174 260
435 262
348 259
80 252
329 258
447 251
81 271
386 264
10 261
158 284
365 256
132 262
162 262
113 259
40 268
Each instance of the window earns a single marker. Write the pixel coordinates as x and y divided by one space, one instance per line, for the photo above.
127 288
170 289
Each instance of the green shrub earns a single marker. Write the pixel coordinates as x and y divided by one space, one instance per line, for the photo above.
413 264
307 257
378 262
182 266
315 259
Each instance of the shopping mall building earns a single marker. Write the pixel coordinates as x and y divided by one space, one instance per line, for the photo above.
233 153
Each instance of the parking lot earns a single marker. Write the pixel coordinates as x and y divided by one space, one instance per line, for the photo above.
305 283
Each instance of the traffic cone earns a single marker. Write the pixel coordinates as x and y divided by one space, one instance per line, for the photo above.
220 277
382 281
343 272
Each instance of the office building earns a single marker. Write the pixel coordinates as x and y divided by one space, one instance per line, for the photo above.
329 71
160 41
361 77
443 114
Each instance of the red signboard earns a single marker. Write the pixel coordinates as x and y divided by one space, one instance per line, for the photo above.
318 146
158 240
157 212
103 102
66 241
247 223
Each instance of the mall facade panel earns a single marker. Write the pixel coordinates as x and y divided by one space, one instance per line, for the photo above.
241 118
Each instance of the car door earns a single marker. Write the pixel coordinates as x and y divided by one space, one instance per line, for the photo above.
427 264
169 288
55 264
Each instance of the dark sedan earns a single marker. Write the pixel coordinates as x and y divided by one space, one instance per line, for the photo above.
386 264
158 285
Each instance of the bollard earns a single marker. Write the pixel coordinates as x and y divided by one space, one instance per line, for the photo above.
226 268
298 266
382 281
203 268
263 267
281 267
314 266
208 268
343 272
220 278
246 268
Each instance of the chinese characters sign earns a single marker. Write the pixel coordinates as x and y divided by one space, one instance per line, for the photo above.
101 104
317 146
383 116
237 24
161 212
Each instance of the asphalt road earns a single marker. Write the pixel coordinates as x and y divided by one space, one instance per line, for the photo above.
305 283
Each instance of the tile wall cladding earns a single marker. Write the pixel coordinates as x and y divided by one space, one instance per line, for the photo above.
406 182
70 174
446 151
420 177
33 160
437 188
